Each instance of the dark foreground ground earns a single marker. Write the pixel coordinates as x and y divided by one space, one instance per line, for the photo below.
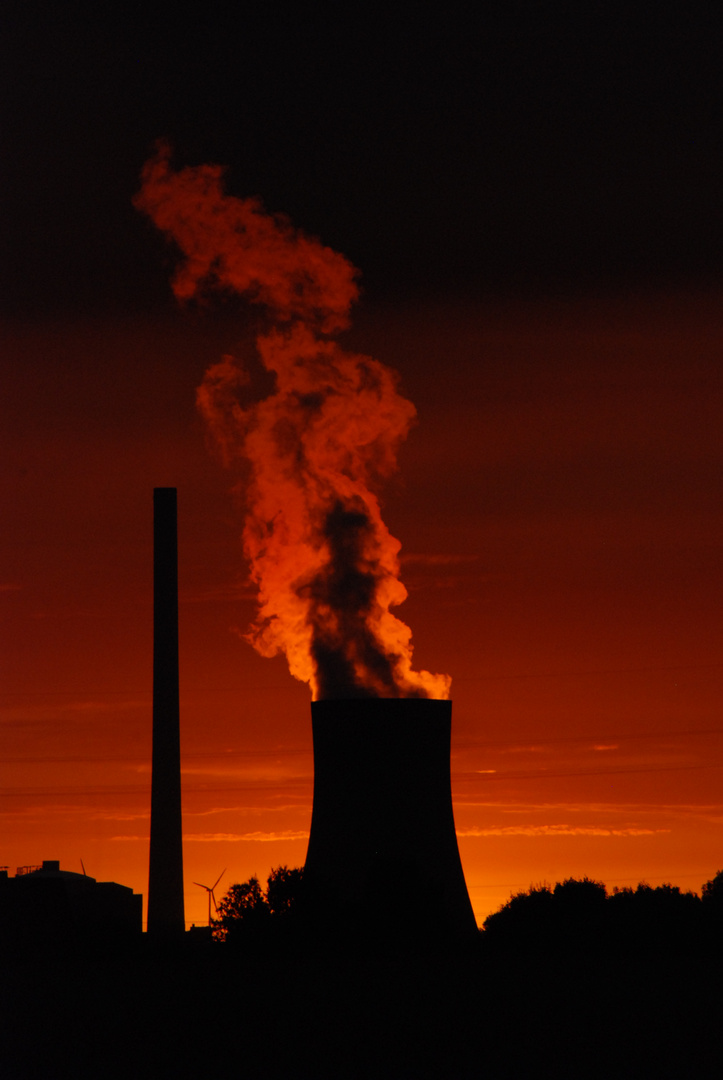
282 1010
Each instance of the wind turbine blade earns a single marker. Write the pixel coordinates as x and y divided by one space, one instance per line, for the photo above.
219 877
202 886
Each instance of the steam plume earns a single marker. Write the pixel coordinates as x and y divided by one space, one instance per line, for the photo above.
319 445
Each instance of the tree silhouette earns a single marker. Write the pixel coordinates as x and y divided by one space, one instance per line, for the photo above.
249 910
580 893
544 917
523 920
712 909
653 920
712 891
283 887
243 905
578 916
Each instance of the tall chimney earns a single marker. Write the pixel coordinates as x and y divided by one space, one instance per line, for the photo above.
166 919
383 862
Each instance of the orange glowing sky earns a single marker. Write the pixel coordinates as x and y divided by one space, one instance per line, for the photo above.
559 512
533 196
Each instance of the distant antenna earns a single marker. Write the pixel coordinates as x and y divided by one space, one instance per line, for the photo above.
209 889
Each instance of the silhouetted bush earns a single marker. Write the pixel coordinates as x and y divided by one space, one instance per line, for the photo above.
578 916
658 920
580 894
525 918
562 919
247 910
283 888
712 911
712 891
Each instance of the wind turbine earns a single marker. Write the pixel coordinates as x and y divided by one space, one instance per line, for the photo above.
209 889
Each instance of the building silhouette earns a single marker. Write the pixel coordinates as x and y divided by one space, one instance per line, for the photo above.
46 908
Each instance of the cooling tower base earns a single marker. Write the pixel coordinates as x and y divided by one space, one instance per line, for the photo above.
382 860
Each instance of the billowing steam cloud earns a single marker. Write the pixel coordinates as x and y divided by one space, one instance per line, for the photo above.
319 445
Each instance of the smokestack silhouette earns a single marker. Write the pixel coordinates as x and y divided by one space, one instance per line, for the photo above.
382 848
383 861
166 918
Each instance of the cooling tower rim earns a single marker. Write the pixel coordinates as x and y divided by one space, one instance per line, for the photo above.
382 702
384 711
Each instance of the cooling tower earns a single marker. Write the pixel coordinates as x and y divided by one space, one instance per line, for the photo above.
383 860
166 919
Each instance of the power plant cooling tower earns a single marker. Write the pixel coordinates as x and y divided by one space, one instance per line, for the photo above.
166 918
383 859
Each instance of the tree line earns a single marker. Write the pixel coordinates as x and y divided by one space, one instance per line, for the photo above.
579 913
572 914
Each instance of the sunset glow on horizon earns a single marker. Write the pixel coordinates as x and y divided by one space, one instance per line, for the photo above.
559 516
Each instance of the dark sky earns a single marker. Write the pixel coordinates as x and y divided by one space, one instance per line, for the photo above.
522 147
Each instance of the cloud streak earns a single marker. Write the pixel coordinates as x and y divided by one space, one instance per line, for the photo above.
257 836
558 830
